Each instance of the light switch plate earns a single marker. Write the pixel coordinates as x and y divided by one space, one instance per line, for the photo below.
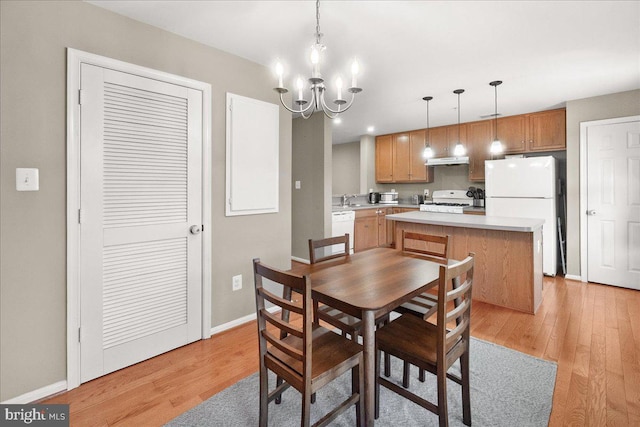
27 179
298 186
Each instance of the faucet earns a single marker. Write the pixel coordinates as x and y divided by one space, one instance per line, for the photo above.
345 199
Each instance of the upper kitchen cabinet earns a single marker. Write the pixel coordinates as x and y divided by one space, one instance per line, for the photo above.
547 131
512 132
399 158
543 131
479 138
442 139
384 158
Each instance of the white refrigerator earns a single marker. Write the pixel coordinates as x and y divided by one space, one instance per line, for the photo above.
525 188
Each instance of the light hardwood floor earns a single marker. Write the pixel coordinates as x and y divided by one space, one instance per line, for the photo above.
591 331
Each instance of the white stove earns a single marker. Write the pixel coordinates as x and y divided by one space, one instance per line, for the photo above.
448 201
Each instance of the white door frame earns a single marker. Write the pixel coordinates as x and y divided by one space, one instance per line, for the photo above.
584 267
74 59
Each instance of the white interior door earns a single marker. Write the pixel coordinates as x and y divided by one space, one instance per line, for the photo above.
613 205
141 192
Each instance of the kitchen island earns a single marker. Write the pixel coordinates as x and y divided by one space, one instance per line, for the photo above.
508 253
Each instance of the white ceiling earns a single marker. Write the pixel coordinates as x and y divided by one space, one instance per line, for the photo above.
545 52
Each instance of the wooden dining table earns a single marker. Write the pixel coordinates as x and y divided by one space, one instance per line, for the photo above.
369 285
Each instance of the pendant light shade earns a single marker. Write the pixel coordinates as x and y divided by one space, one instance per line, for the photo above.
428 151
459 149
496 145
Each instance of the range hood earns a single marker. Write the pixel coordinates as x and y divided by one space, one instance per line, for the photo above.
464 160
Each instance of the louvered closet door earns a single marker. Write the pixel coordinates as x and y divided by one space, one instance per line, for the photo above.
141 191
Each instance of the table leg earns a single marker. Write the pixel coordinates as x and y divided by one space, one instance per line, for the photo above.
369 350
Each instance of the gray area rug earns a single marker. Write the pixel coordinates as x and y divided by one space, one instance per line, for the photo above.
508 388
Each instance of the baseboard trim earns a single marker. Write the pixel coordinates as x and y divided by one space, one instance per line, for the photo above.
39 394
302 260
238 322
573 277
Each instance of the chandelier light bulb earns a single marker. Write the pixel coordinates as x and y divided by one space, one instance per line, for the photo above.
355 69
300 86
279 73
339 86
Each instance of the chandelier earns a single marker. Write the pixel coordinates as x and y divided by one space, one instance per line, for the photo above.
316 82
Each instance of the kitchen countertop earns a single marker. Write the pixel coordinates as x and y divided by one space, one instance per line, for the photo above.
372 206
470 221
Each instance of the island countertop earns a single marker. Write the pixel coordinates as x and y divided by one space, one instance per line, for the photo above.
524 225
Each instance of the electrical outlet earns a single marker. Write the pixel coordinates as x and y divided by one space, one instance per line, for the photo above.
426 192
237 282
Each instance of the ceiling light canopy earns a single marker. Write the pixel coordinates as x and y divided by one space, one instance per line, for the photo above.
317 83
496 145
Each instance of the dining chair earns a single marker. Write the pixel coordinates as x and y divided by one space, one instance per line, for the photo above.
434 347
304 355
349 325
434 248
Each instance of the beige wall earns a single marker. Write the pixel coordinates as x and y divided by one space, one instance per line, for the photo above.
311 204
621 104
33 39
346 168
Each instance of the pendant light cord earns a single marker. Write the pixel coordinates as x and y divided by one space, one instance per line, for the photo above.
495 87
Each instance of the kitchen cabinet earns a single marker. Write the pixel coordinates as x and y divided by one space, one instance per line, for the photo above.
444 138
399 158
370 229
547 131
542 131
384 158
391 225
479 138
512 132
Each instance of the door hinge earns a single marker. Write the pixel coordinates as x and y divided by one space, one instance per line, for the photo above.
79 335
80 97
80 216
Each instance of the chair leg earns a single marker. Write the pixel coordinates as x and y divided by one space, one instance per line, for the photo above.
279 382
443 415
466 393
264 398
421 375
377 388
306 409
357 386
387 364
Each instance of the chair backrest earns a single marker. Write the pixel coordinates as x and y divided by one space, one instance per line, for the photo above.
436 247
454 309
297 299
324 244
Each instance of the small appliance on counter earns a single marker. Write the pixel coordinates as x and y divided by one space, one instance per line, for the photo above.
477 194
374 197
389 198
448 201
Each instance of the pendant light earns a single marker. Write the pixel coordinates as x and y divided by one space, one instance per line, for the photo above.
459 149
496 145
428 151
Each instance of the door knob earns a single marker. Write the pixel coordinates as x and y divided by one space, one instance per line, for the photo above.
591 212
195 229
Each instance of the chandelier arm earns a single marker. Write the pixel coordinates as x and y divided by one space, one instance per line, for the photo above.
301 111
339 110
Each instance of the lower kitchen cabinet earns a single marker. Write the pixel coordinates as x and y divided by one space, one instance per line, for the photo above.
370 229
391 225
